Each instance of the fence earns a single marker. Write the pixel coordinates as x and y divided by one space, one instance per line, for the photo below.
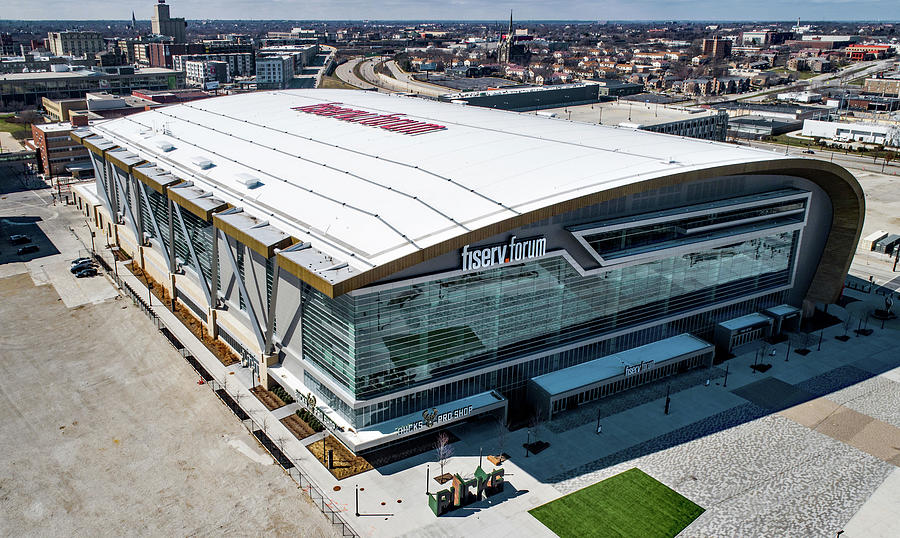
260 432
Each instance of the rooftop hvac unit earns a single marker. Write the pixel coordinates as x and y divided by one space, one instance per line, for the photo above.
251 182
201 162
164 145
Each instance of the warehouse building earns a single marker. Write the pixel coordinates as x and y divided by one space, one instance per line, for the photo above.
403 264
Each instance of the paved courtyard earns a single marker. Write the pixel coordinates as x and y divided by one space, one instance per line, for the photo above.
103 428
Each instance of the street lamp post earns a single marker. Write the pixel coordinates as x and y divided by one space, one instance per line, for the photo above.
668 400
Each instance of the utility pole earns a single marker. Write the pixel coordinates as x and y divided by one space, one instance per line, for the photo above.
725 384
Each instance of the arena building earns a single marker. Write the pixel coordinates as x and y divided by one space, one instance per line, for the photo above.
402 264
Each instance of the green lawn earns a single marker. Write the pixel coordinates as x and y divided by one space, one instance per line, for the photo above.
334 83
18 130
627 504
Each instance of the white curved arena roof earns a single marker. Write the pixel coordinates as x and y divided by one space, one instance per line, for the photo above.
366 195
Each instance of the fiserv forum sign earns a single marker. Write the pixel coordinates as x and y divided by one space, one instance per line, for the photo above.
512 252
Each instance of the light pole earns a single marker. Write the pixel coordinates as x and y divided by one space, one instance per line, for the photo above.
115 261
668 400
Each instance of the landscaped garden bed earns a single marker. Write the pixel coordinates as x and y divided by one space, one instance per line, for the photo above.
221 351
345 464
267 397
297 426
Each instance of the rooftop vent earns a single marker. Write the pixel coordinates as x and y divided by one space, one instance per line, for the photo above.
164 145
201 162
251 182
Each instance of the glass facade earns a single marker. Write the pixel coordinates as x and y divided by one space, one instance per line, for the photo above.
380 342
511 379
649 237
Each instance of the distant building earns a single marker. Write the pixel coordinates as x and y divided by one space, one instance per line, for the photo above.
868 51
276 66
96 106
171 96
58 109
510 50
7 45
274 71
162 54
206 73
27 89
765 37
886 86
75 43
717 48
239 64
537 98
756 127
58 154
163 24
888 135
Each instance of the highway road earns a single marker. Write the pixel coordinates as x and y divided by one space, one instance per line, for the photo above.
836 78
345 73
402 82
849 161
416 86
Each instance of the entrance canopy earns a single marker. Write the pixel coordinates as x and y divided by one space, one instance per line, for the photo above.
646 357
428 419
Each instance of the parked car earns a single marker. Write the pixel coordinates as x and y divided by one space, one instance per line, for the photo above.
28 250
19 239
90 271
76 261
81 266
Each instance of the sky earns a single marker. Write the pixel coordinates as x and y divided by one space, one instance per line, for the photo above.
768 10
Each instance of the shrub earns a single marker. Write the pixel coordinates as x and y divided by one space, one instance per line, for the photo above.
308 418
283 394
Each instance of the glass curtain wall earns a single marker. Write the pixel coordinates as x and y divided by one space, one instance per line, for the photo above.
387 340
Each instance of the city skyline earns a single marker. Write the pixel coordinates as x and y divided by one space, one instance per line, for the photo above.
477 10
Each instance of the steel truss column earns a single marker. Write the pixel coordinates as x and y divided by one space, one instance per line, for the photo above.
273 300
132 184
100 181
242 289
124 198
194 261
142 190
171 205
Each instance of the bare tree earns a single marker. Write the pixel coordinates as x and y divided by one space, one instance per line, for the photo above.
501 438
848 323
443 449
535 423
